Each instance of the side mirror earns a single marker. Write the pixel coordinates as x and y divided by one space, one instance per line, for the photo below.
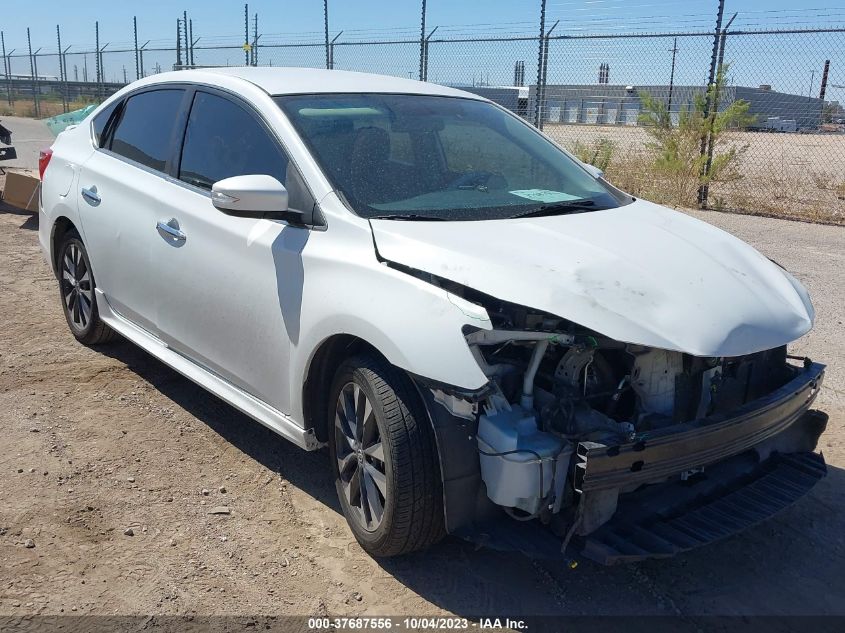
253 196
595 171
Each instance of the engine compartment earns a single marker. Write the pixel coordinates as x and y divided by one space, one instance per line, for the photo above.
555 385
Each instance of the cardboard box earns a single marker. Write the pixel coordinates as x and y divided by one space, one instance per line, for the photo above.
21 191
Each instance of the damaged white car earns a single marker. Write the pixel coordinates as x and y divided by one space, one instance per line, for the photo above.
492 340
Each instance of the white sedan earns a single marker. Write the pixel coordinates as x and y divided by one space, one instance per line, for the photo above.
492 340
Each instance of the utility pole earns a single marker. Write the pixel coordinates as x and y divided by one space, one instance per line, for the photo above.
823 88
326 23
422 43
541 41
674 51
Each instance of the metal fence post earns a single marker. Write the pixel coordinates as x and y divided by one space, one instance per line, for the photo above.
715 106
255 37
246 35
425 53
674 52
546 66
326 28
422 43
703 189
331 50
141 58
135 35
61 70
178 43
63 62
7 70
185 35
540 47
97 55
32 70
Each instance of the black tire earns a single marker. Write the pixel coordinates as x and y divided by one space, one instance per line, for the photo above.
76 292
413 502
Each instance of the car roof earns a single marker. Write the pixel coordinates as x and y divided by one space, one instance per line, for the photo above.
282 81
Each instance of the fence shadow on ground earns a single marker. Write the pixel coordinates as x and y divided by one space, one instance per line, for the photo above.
752 573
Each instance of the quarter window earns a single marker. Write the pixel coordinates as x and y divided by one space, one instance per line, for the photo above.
223 140
145 127
101 121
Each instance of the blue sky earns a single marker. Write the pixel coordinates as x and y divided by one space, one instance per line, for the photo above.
788 63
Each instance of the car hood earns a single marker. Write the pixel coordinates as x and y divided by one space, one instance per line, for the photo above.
641 274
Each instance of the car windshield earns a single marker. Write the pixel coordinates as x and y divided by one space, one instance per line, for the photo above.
440 158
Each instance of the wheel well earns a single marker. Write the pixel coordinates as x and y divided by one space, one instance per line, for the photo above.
61 227
328 357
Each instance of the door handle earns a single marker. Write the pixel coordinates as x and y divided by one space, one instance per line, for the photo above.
171 231
90 195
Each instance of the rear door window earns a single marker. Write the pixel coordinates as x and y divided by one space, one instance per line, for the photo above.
222 140
145 128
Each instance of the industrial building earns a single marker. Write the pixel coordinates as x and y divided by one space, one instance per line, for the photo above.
621 105
605 104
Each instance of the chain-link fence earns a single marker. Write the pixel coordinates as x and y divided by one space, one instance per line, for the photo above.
771 139
748 120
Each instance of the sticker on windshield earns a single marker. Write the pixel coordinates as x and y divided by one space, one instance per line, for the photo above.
544 195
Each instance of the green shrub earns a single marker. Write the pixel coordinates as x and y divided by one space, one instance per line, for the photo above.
599 153
676 151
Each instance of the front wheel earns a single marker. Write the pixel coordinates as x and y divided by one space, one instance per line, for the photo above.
384 459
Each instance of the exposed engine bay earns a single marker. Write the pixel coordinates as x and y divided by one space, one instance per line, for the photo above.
558 390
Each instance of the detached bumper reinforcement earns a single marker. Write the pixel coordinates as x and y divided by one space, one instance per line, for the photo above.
732 501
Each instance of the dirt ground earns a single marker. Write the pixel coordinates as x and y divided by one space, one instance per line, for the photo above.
99 441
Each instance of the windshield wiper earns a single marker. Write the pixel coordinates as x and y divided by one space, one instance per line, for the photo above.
407 216
559 208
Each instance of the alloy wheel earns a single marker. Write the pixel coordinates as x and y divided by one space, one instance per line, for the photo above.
360 456
77 289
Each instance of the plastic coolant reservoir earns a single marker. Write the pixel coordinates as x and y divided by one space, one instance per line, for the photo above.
520 480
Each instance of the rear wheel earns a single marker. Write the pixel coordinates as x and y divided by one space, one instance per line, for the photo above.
384 459
76 287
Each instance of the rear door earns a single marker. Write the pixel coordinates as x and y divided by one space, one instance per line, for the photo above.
121 188
225 301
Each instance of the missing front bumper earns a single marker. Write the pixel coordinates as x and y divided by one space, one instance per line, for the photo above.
682 516
654 457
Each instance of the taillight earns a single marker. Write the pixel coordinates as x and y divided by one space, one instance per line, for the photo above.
43 160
